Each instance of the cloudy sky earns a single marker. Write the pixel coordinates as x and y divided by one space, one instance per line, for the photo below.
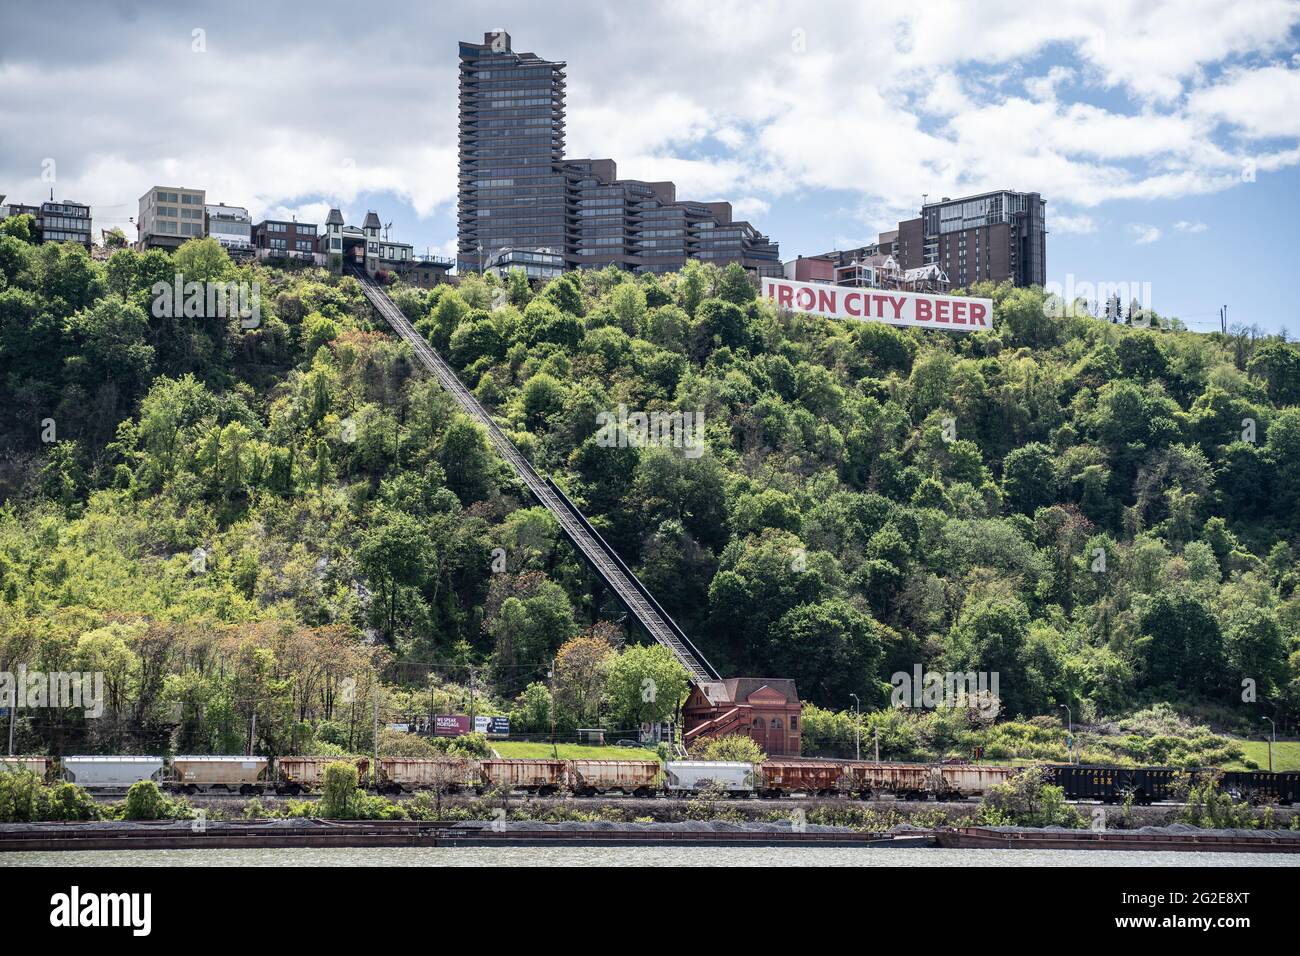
1164 135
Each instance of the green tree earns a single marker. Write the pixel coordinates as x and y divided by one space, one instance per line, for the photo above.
1181 643
465 459
645 685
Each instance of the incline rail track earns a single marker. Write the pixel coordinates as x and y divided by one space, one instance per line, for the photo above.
597 552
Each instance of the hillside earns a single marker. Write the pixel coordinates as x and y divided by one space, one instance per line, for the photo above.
235 520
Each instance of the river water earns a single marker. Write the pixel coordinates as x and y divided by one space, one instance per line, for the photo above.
642 856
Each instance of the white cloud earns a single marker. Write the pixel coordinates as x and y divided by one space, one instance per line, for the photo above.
1143 234
882 103
1184 226
750 207
1261 103
1071 225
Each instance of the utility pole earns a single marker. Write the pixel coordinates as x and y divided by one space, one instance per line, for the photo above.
252 727
550 683
1069 732
857 730
374 767
1272 742
875 732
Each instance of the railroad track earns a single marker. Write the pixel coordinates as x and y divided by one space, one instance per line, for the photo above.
601 557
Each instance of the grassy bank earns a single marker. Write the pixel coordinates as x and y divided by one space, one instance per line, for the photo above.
1286 755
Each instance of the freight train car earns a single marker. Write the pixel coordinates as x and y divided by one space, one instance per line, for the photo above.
636 777
911 781
692 776
297 774
1259 786
811 779
971 780
37 765
450 774
111 773
245 775
1115 784
534 776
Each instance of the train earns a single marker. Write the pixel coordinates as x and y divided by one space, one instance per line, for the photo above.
1157 784
772 779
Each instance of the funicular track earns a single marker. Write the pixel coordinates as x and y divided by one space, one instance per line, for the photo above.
597 552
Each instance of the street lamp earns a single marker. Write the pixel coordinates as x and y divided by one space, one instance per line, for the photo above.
857 730
1069 731
1271 742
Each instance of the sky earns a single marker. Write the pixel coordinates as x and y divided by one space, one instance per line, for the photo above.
1165 136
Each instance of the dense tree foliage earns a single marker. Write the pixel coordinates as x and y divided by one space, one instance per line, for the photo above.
237 520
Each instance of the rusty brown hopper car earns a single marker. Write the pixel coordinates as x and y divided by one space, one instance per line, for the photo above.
450 774
308 773
908 780
589 777
241 774
536 776
780 777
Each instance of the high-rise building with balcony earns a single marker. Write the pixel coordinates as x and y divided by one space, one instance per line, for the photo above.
992 236
513 190
519 193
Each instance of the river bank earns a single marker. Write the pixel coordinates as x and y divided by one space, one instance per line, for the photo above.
314 833
883 814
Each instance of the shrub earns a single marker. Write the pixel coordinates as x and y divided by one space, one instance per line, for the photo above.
144 801
67 801
1205 805
341 791
25 798
1027 800
736 747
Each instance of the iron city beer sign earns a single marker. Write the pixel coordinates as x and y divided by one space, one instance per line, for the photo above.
953 313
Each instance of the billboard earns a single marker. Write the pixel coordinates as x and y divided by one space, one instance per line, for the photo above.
953 313
450 725
492 726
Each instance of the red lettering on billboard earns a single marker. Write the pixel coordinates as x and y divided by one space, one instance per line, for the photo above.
894 307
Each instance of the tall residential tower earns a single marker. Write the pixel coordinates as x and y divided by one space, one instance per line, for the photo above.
520 198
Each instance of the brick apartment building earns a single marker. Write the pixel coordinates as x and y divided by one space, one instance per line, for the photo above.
953 243
285 239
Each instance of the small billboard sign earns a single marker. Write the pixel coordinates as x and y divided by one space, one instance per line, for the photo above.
451 725
492 726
